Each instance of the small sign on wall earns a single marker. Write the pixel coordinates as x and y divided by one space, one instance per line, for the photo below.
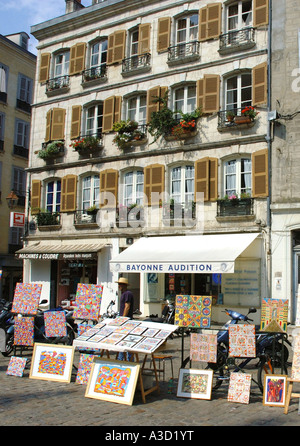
17 219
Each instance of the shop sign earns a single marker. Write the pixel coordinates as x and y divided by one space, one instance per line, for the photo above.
17 219
175 267
56 256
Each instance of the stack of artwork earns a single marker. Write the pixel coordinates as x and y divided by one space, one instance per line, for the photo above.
193 311
88 301
125 334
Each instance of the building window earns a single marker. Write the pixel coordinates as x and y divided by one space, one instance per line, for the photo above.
94 120
53 196
2 120
3 82
237 177
19 184
97 61
182 184
184 99
137 109
239 15
90 191
22 131
61 64
133 188
187 29
24 93
238 92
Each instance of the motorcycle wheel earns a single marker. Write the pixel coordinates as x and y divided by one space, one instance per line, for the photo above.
9 344
220 369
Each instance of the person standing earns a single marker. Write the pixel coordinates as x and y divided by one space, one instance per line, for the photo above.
126 300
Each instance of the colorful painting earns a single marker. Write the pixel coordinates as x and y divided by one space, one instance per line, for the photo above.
88 301
16 366
148 345
193 311
26 298
295 373
55 324
24 331
239 388
84 368
274 314
113 381
242 341
52 362
203 347
119 320
195 383
275 387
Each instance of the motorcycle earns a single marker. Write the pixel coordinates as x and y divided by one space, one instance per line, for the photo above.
110 313
7 329
167 314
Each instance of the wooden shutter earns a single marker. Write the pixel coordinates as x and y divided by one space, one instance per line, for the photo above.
152 104
35 196
44 67
119 46
154 181
76 122
144 38
108 114
117 109
163 34
260 12
48 126
110 49
109 183
77 58
208 93
214 18
202 24
213 179
58 124
260 173
202 178
260 84
68 193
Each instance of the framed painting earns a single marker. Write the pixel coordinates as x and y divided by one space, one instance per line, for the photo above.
52 362
113 381
195 383
275 387
239 388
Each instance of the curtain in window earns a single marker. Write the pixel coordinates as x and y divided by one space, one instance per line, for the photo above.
3 85
246 168
176 184
230 172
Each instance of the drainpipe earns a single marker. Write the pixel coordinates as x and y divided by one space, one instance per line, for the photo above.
269 142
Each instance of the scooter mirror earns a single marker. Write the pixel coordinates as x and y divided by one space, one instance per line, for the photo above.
252 310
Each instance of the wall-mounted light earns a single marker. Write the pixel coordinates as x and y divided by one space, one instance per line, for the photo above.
12 200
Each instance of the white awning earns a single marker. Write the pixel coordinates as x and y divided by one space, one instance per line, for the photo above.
183 254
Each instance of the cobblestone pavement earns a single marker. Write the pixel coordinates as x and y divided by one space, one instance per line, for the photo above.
31 402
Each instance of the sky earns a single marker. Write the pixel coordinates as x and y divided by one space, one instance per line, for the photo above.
20 15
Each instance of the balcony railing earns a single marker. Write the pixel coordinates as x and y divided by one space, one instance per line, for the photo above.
57 83
21 151
95 73
133 63
179 213
233 119
234 40
236 207
84 217
1 145
184 51
47 218
23 105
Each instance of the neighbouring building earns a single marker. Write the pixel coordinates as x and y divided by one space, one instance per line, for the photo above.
104 135
285 160
17 72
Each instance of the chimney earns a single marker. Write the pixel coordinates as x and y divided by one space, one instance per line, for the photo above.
73 5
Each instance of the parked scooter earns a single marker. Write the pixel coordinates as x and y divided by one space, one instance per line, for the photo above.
7 329
167 314
110 313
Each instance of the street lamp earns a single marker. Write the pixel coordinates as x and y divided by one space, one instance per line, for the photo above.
12 200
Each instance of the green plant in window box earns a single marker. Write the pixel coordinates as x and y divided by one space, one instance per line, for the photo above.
127 133
46 218
87 143
92 210
51 150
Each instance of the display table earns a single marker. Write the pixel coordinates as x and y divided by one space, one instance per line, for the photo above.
130 338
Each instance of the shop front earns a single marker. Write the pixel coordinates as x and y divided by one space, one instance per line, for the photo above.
60 267
229 267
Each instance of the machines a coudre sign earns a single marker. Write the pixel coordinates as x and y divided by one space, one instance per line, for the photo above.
55 256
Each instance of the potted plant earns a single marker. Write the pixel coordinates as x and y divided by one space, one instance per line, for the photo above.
87 143
163 120
92 210
248 115
127 133
230 115
46 218
187 127
51 150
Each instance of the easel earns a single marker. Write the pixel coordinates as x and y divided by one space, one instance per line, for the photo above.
290 393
